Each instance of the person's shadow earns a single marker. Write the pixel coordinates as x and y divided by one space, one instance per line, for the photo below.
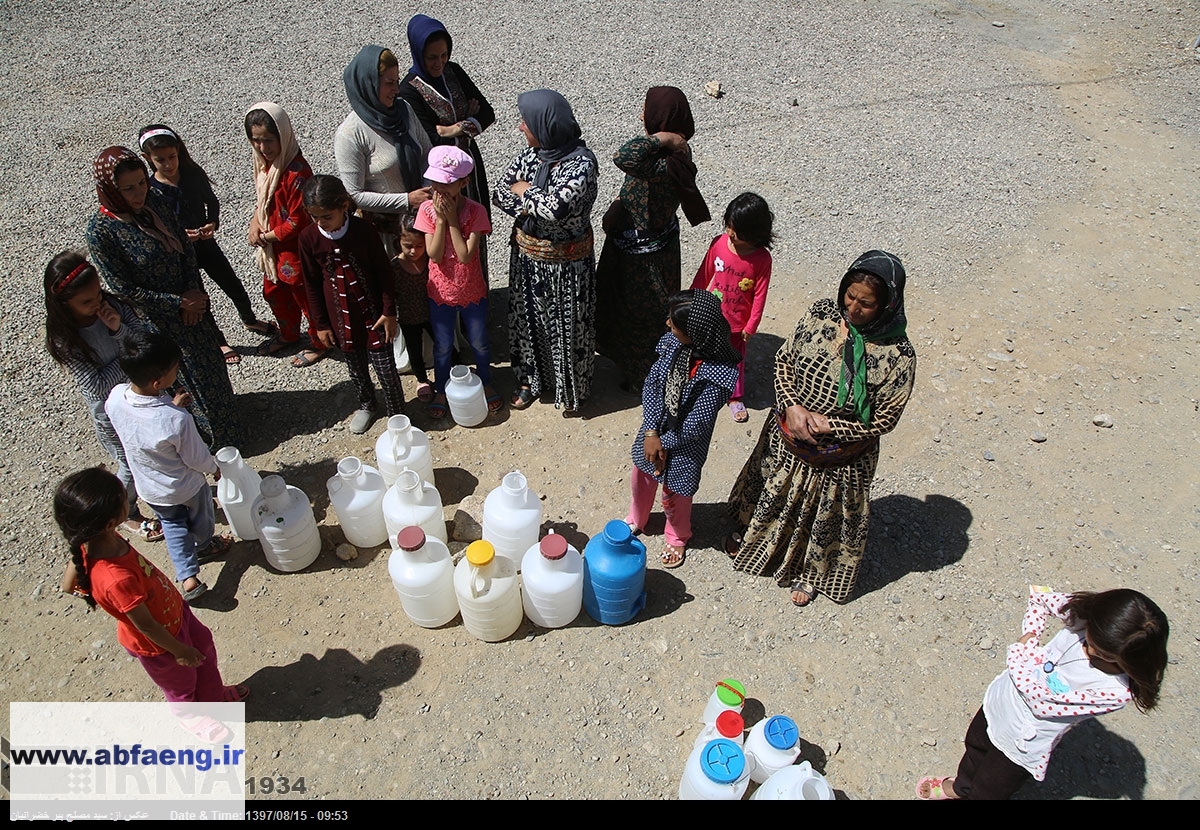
908 535
334 686
1091 762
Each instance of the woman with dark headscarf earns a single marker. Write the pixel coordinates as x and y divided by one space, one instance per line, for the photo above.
688 384
639 266
841 381
550 189
381 148
144 256
449 106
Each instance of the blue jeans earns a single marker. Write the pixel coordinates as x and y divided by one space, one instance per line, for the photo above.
443 319
188 529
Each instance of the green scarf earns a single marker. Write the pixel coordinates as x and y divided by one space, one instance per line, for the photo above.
853 380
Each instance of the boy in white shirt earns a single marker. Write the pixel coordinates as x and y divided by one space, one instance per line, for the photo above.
166 454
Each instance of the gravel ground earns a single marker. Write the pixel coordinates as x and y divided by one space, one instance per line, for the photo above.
1038 179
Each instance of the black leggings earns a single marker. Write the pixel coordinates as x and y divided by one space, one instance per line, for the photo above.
213 261
985 773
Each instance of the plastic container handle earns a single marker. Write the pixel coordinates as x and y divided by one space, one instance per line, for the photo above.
474 591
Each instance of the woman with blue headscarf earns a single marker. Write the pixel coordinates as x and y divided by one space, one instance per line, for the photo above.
802 501
449 106
381 148
550 189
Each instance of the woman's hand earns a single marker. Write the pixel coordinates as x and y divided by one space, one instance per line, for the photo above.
806 424
192 305
453 131
325 336
109 316
416 197
655 453
388 324
518 189
672 141
207 231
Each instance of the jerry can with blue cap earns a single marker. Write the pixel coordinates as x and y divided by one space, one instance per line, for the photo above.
716 771
614 575
773 743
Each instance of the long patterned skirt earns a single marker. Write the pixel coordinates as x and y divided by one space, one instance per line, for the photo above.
631 306
802 522
552 325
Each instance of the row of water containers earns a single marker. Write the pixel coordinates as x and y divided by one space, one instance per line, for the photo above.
724 759
390 503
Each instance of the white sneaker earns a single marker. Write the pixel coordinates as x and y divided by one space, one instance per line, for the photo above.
362 421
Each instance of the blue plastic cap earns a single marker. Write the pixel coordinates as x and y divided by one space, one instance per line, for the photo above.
722 761
617 532
781 732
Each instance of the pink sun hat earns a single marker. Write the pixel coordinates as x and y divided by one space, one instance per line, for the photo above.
448 164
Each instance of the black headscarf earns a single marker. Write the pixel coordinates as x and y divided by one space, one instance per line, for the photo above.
362 89
889 324
708 330
667 110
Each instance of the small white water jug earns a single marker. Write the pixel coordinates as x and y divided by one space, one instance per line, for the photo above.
488 594
403 445
729 725
286 526
414 501
729 694
356 493
773 743
716 771
552 582
236 491
795 783
423 576
464 393
512 517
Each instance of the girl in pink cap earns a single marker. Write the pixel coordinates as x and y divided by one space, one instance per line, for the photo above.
454 228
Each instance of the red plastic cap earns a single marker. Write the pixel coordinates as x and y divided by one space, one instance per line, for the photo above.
553 546
410 538
730 724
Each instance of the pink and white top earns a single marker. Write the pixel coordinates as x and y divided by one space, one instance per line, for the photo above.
451 282
740 283
1028 708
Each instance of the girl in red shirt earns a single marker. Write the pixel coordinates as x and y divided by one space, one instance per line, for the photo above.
154 624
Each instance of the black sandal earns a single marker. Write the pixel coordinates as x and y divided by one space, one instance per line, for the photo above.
522 398
802 587
732 545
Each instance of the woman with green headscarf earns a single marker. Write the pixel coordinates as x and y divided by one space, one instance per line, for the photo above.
841 380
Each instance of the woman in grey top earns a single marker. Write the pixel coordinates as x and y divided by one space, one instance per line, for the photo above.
381 148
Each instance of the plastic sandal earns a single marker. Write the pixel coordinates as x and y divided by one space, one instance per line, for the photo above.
436 408
672 557
937 790
522 398
200 590
425 392
236 693
494 402
231 357
737 410
799 586
308 357
217 547
207 729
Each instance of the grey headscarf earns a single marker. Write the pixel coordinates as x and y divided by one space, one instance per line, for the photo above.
361 78
549 117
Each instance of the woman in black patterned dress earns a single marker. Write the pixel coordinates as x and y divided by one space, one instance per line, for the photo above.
550 189
841 380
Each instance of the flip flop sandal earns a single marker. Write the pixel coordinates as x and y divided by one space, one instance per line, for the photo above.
669 554
936 791
799 586
207 729
436 409
308 357
522 398
262 327
200 590
217 547
236 693
272 347
737 411
425 391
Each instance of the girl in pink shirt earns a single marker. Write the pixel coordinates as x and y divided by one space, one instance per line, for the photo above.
737 268
454 228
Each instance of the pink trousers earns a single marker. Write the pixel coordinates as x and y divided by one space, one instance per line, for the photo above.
182 684
677 508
